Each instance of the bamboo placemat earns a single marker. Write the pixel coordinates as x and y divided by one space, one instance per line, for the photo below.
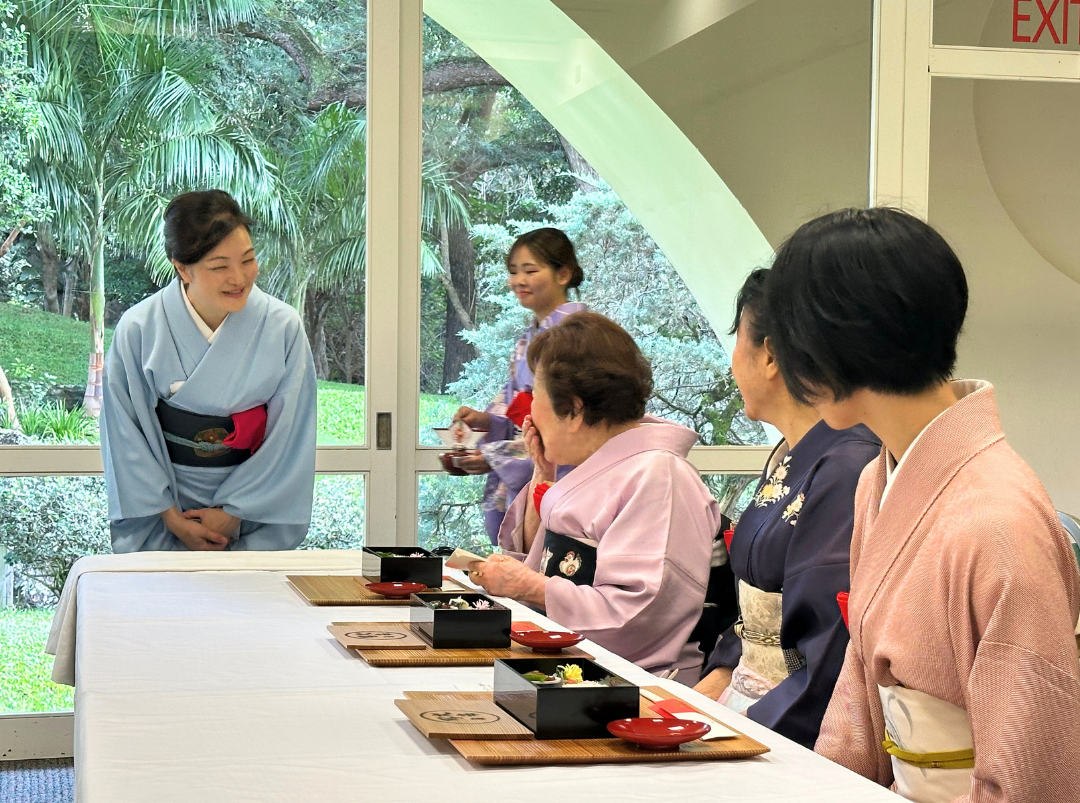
429 656
343 589
487 749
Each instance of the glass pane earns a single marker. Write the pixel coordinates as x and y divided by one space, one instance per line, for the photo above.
275 115
450 514
338 515
1005 192
494 168
1050 25
732 491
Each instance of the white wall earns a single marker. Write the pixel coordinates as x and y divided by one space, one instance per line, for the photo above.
1023 327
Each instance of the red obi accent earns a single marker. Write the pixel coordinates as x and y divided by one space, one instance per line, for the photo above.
539 490
728 535
841 600
520 406
249 429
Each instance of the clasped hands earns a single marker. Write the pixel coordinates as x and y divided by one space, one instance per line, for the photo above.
503 576
203 529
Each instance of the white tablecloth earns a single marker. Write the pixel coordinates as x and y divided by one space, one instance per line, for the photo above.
225 686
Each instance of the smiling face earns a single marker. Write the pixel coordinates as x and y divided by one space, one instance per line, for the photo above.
221 281
538 286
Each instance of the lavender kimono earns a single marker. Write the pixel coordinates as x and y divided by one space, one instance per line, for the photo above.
503 448
643 507
790 555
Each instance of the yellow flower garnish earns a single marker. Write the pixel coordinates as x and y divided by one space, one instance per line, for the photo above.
571 673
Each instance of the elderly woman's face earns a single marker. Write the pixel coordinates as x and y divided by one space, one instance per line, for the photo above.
557 433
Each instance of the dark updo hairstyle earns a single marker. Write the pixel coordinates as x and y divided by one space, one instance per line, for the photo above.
554 249
751 303
197 222
867 298
592 358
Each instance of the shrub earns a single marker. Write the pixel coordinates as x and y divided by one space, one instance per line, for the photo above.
54 423
337 516
48 523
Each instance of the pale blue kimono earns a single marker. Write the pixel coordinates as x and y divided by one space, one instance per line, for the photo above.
260 356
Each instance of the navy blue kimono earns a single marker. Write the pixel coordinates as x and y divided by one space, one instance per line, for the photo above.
795 538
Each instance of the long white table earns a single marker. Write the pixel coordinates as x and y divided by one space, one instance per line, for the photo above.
225 686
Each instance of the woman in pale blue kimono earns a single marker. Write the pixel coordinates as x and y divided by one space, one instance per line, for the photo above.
208 424
542 269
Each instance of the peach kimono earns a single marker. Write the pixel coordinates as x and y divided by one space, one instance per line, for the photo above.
964 595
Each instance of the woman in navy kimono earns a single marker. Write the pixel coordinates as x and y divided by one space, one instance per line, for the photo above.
208 425
790 549
542 268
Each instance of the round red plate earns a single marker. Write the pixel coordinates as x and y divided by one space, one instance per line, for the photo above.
657 734
545 640
396 590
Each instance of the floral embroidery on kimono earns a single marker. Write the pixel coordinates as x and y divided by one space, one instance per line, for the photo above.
774 489
791 512
569 565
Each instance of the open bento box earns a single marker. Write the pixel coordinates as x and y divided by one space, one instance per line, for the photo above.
449 621
563 710
402 564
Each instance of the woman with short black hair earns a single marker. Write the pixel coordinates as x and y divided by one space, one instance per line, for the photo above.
961 673
208 424
619 548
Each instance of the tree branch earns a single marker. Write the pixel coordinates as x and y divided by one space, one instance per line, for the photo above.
11 238
447 280
286 43
445 77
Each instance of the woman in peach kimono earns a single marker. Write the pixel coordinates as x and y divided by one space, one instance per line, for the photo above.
961 680
619 549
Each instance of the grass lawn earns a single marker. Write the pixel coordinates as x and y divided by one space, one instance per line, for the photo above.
24 679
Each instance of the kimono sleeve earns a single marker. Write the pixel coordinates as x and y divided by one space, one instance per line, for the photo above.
816 568
132 448
276 484
1022 693
849 736
652 563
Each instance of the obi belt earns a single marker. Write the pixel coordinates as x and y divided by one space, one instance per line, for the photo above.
209 440
569 558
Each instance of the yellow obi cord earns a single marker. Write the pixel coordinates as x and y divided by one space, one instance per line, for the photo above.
952 760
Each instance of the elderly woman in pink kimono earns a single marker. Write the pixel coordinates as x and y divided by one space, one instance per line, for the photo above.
960 681
619 548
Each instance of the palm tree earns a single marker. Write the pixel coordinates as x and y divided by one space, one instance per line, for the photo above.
126 124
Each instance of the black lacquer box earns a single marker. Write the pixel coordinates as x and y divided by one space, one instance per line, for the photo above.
449 628
401 567
563 712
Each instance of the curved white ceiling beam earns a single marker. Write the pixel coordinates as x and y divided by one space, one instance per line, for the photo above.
662 178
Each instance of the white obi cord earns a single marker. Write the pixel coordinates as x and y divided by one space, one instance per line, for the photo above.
919 723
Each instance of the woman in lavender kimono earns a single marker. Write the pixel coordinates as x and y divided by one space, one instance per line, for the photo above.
208 425
542 269
789 552
618 549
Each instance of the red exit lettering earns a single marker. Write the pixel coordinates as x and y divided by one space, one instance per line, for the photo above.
1052 21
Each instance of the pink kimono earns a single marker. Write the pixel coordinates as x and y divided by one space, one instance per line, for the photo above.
653 523
964 588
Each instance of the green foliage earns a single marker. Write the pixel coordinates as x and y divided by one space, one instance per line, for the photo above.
48 523
19 203
54 423
450 512
341 413
25 684
337 515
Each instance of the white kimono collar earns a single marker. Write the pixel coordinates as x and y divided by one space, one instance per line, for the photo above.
204 329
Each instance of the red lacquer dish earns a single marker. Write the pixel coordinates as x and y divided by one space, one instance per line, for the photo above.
545 640
658 734
396 590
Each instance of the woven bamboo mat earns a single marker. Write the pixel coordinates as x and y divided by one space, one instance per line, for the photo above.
429 656
451 709
343 589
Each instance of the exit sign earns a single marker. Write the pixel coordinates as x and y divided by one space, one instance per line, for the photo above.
1047 22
